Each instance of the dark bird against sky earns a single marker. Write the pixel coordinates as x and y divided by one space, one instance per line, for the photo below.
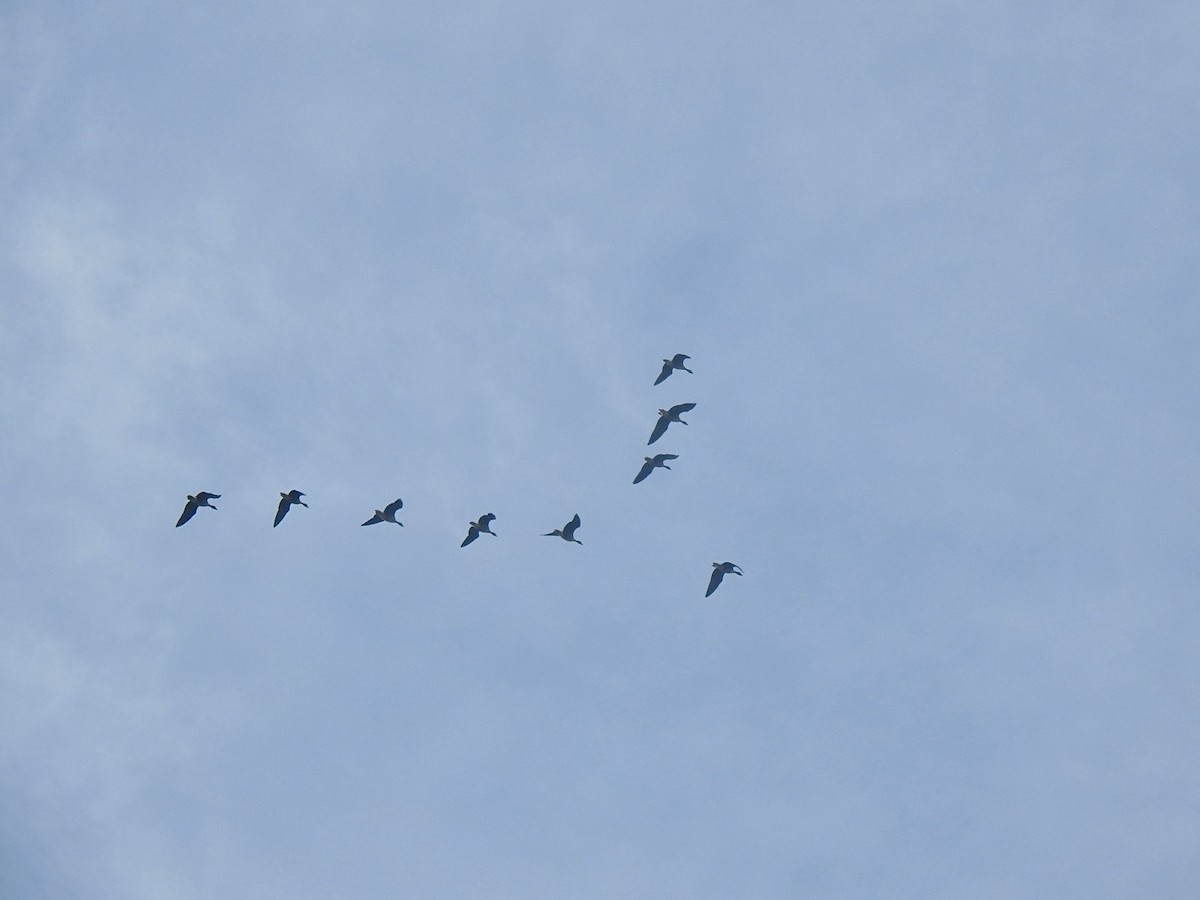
387 514
194 503
567 532
720 570
483 526
666 417
291 497
653 462
670 365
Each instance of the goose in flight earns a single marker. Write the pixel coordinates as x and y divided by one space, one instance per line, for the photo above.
720 570
292 496
387 514
483 526
567 532
194 503
652 463
670 365
666 417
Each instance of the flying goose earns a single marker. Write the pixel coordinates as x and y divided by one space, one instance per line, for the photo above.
720 570
567 532
666 417
194 503
652 463
387 514
483 526
292 496
670 365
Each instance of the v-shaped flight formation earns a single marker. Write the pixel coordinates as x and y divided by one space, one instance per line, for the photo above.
483 525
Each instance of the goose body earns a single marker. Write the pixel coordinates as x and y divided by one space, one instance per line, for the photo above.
652 463
670 365
286 502
720 570
483 526
567 532
194 503
387 514
666 417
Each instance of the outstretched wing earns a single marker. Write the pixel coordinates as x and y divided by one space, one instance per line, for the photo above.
647 468
189 510
677 360
660 428
666 371
486 521
569 528
681 408
472 533
205 496
374 520
664 456
285 504
391 508
714 582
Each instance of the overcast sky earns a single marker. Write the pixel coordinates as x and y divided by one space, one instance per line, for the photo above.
935 264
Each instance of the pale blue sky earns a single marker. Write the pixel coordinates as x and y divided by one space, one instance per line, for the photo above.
934 264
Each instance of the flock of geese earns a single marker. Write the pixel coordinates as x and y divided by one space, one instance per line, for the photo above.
484 523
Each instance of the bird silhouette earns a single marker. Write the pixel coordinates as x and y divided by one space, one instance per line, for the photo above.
387 514
720 570
670 365
652 463
483 526
567 532
666 417
291 497
194 503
